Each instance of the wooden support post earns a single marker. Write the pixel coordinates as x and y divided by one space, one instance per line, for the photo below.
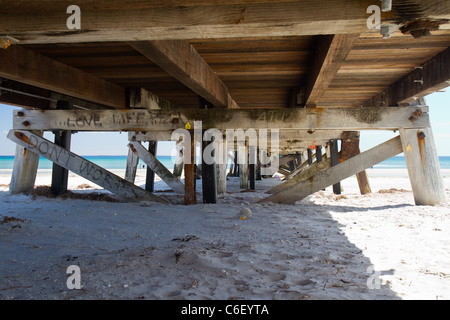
60 175
189 174
222 168
423 166
243 167
252 167
157 167
25 170
236 166
86 169
334 154
318 153
258 166
178 166
132 163
350 148
337 173
209 180
310 157
150 177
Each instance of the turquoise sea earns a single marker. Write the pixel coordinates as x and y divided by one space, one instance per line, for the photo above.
107 162
119 162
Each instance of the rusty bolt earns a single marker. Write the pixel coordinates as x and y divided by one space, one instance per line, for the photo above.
20 114
417 113
412 118
26 123
421 135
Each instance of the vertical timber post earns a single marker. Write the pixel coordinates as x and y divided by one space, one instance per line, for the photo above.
132 162
243 166
178 166
25 170
319 154
236 165
222 167
60 175
209 180
335 161
150 177
310 157
350 148
423 166
189 172
258 165
252 167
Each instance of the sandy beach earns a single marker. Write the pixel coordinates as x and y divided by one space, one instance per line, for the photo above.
349 246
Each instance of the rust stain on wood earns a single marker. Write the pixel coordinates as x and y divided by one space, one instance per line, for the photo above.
421 142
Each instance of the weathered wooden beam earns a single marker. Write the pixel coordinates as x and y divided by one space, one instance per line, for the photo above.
132 163
24 170
423 166
337 173
308 119
26 66
183 62
84 168
430 77
113 20
306 173
156 166
331 52
23 95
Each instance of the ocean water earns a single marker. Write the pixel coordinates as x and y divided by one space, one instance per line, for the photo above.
106 162
119 162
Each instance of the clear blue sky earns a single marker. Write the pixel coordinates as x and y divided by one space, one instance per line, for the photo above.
89 143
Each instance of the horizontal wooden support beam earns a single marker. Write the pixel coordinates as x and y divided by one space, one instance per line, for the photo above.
180 59
23 65
289 136
331 52
109 20
430 77
140 120
337 173
84 168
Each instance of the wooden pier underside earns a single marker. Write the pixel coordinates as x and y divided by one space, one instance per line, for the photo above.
147 67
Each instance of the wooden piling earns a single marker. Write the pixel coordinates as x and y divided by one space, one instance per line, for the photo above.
60 175
209 181
189 174
150 177
243 167
423 166
24 170
334 154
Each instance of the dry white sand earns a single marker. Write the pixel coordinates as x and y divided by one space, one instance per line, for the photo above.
324 247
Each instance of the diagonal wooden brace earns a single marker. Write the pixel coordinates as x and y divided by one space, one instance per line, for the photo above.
338 173
151 161
84 168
